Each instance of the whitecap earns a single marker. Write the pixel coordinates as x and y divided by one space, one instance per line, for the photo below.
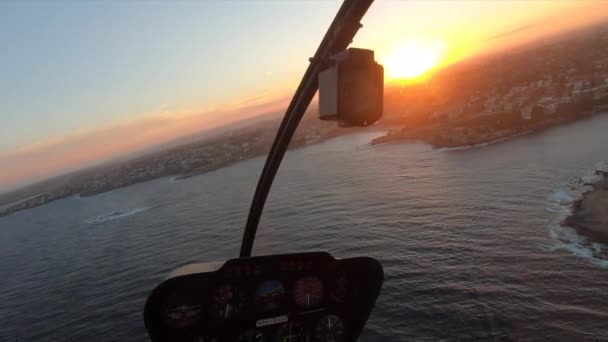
602 166
564 195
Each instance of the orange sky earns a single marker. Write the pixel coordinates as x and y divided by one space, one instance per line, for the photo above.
89 147
462 29
477 27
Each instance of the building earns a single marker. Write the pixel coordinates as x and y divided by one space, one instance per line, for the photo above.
526 113
550 107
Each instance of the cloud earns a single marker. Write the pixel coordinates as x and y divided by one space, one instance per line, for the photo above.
514 31
566 20
47 158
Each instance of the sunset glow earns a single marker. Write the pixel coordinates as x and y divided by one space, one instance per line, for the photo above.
413 59
186 67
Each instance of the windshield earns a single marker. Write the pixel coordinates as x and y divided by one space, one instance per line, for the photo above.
133 134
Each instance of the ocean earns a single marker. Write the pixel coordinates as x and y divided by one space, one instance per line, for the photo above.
469 239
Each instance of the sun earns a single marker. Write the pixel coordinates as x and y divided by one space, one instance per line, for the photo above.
413 60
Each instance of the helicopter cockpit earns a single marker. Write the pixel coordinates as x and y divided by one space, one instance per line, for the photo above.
292 297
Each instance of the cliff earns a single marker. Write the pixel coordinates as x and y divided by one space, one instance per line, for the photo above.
590 214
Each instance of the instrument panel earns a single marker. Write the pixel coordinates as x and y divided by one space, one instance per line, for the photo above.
303 297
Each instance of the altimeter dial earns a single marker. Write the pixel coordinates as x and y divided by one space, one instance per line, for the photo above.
228 300
329 329
308 292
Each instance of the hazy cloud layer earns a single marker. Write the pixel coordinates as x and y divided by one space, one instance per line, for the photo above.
587 15
46 158
514 31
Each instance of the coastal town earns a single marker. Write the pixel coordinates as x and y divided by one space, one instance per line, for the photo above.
511 94
180 162
480 101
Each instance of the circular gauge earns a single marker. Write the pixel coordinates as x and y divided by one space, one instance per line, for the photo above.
339 288
182 316
308 292
251 336
181 309
329 329
292 332
269 295
227 301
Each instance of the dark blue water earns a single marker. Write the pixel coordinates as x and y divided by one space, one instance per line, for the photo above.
468 238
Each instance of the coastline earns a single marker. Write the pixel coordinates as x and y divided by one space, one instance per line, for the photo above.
295 144
42 199
451 136
438 136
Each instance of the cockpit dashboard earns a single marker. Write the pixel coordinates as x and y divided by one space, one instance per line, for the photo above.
302 297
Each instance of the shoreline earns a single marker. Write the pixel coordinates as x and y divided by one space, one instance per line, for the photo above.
297 143
439 137
417 135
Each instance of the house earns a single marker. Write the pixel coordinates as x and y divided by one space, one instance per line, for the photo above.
550 107
546 100
438 114
599 93
526 113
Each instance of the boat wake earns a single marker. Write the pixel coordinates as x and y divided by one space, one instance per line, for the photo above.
115 215
561 203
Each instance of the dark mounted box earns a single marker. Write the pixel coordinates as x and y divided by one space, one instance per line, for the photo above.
351 91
